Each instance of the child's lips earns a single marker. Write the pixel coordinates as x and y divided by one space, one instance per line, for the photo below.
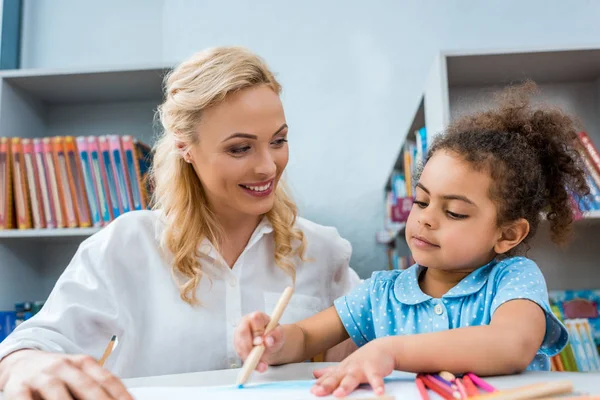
423 242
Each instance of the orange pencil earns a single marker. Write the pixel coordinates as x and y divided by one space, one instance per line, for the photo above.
443 390
422 389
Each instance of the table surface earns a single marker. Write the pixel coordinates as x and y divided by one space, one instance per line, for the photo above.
588 382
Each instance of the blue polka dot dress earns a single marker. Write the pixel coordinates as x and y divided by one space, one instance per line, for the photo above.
392 303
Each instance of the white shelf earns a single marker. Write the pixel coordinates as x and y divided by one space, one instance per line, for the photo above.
89 86
541 66
45 234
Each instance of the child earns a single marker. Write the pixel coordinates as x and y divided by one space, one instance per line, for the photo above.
469 303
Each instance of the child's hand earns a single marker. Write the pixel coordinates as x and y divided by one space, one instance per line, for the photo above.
369 364
251 332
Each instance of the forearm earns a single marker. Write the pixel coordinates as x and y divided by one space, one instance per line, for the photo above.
309 337
292 349
486 350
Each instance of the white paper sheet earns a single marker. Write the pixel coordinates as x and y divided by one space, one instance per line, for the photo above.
401 388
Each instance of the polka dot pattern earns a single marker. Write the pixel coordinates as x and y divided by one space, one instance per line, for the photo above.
392 303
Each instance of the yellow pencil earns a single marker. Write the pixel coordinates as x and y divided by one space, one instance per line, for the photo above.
257 351
109 348
530 391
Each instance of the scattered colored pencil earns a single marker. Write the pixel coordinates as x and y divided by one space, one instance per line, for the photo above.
422 389
480 383
461 388
437 386
470 386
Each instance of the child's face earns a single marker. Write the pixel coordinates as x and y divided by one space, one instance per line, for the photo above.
452 225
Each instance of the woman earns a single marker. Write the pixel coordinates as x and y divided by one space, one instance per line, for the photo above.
224 239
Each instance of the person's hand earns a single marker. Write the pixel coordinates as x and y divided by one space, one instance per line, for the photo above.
251 332
369 364
34 374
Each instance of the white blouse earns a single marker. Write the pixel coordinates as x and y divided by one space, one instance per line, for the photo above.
119 283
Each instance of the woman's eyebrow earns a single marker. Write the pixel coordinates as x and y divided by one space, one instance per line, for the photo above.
250 136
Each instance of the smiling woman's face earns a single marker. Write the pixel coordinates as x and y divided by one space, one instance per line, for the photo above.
241 152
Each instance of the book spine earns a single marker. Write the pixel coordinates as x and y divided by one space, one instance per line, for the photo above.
119 171
88 180
63 181
100 180
46 193
76 184
6 192
108 176
590 149
20 186
33 185
53 182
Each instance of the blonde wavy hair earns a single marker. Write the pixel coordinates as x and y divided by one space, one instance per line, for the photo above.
203 81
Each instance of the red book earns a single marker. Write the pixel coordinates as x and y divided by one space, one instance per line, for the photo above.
590 150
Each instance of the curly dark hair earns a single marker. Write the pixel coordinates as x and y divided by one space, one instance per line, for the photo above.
533 157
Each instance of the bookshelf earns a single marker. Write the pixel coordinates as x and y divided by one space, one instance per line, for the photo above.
463 82
69 102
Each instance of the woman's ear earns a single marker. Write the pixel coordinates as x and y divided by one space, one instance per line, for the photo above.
184 152
511 235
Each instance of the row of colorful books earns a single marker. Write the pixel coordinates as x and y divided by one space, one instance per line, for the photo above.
9 320
578 309
71 182
591 159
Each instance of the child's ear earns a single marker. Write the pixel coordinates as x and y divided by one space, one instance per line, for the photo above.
511 235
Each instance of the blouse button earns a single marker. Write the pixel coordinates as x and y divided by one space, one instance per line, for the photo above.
438 309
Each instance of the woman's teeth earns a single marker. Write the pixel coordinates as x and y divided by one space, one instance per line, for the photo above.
258 188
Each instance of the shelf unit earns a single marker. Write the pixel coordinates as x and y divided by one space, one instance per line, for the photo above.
40 103
464 82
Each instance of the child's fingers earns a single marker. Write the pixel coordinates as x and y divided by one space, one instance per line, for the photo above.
242 340
274 339
317 373
326 384
262 366
376 381
347 384
258 322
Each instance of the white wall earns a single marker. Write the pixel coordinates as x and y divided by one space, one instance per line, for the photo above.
352 71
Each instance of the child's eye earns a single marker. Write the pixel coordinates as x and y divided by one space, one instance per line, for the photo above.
421 204
455 215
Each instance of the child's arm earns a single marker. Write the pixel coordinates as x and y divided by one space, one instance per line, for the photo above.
289 343
505 346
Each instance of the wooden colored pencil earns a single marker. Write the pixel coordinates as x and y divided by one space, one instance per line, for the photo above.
257 351
443 390
470 386
534 391
422 389
480 383
461 388
107 352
